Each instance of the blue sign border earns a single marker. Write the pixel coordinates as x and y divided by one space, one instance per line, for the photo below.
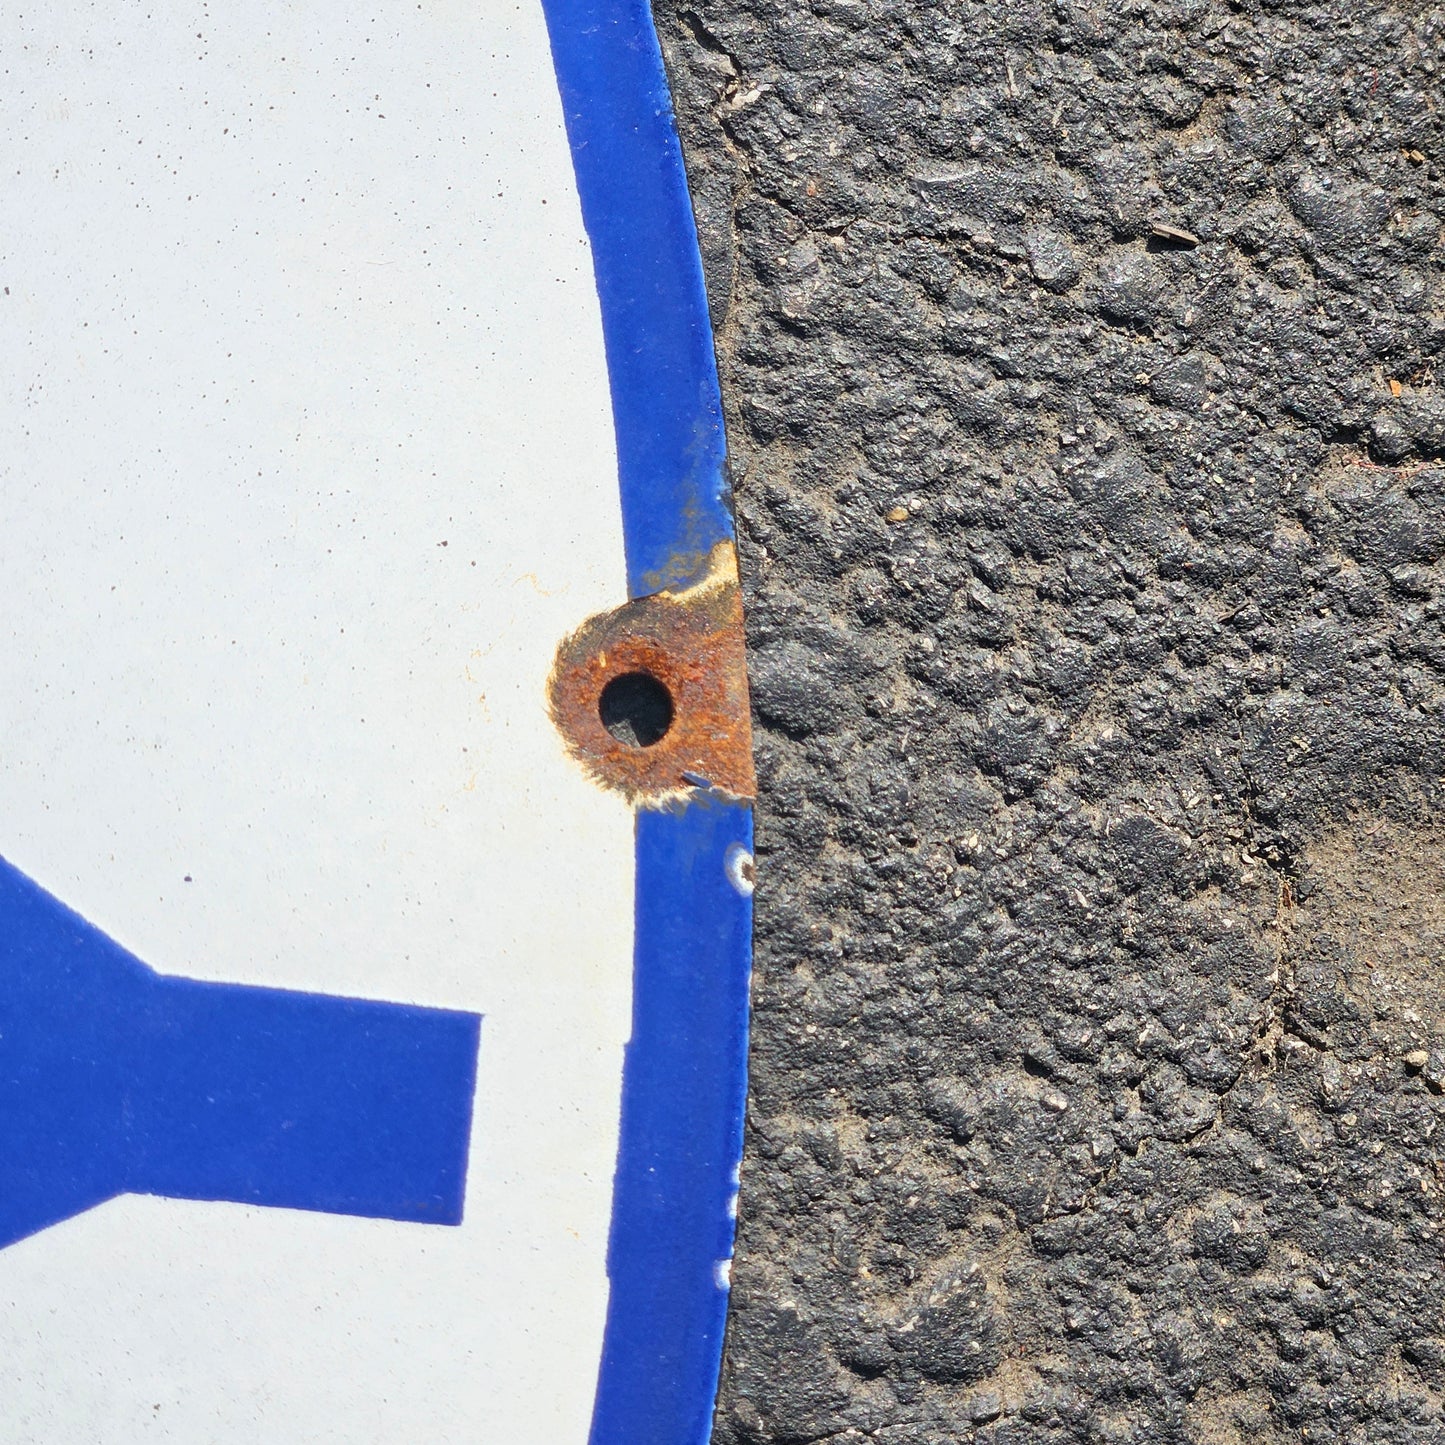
685 1077
130 1081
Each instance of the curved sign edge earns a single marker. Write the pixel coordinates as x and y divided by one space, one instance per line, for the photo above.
684 1078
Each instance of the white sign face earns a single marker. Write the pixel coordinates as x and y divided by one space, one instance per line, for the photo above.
308 464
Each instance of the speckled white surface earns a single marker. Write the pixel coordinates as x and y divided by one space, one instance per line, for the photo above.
307 465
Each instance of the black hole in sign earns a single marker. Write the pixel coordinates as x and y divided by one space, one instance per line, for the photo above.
636 709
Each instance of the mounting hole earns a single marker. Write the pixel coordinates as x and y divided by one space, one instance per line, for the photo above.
636 709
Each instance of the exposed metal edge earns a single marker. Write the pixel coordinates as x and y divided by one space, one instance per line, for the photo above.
690 642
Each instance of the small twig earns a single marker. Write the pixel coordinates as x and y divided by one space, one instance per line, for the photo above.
1163 231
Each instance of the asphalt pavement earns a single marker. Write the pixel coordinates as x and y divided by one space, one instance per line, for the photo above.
1081 365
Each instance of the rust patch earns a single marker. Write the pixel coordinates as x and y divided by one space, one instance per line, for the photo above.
689 641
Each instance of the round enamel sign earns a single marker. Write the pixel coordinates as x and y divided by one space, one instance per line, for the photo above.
374 766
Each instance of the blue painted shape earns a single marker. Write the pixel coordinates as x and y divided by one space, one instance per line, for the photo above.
666 408
115 1079
682 1121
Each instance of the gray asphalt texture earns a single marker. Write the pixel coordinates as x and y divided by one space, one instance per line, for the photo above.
1095 594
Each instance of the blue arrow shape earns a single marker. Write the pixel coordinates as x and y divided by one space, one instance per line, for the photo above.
115 1079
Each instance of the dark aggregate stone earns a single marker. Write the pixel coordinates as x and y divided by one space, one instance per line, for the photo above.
1096 590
